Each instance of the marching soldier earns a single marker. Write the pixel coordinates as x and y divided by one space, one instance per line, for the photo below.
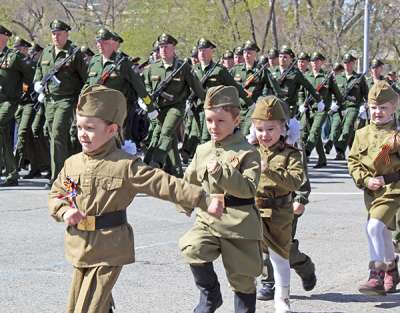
238 55
61 93
303 62
273 59
355 94
228 59
194 56
13 72
163 148
255 81
87 54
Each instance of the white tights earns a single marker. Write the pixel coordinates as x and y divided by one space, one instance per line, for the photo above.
380 244
281 269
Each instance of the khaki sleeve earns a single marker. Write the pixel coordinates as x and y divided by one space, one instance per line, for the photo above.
290 177
58 207
357 170
38 72
243 182
159 184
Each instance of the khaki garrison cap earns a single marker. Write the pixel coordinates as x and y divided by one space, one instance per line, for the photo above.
381 92
221 96
269 108
102 102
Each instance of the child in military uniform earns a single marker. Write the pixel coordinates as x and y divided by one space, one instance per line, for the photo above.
91 195
228 168
282 173
374 164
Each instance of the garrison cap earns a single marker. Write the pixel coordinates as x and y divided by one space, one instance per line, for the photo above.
102 102
222 96
5 31
117 37
317 56
59 25
251 45
19 42
105 34
166 39
376 63
348 57
273 53
381 92
228 54
303 56
194 52
286 50
269 108
338 67
238 50
86 50
205 43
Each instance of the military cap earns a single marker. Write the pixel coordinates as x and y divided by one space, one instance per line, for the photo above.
86 50
36 47
194 52
59 25
273 53
251 45
348 57
104 34
221 96
317 56
338 67
286 50
263 59
376 63
167 39
303 56
228 54
117 37
19 42
5 31
381 92
269 108
238 50
205 43
102 102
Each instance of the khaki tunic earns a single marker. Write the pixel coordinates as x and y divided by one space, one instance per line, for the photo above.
282 173
383 203
108 181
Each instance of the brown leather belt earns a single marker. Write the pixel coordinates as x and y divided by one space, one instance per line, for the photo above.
231 201
104 221
274 203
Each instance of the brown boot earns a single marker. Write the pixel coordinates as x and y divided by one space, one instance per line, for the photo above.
391 276
374 285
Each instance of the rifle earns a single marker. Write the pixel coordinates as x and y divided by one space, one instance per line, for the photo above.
346 92
252 78
286 71
321 85
193 97
51 76
106 74
160 90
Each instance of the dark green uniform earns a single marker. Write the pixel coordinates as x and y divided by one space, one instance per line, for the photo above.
163 148
13 71
60 99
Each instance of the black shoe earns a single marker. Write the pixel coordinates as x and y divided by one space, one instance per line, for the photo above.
328 146
32 174
320 165
340 156
309 283
266 292
245 303
9 183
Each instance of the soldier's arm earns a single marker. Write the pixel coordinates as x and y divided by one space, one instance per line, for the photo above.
307 85
147 81
194 83
364 89
289 176
334 89
357 170
228 80
272 85
239 183
38 72
159 184
81 66
25 68
136 82
57 207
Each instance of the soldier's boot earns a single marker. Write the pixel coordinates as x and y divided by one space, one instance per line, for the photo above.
374 286
207 282
392 277
328 146
281 300
309 282
340 156
266 292
320 164
245 302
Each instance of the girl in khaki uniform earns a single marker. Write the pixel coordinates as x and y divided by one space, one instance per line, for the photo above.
374 164
282 173
91 195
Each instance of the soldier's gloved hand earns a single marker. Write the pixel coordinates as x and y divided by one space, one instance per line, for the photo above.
188 108
302 109
293 132
334 106
321 106
142 105
38 87
73 217
362 113
152 115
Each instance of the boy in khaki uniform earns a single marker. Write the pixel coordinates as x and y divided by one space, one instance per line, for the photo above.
374 164
91 195
228 168
282 173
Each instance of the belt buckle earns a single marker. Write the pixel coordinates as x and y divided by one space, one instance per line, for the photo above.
266 213
87 224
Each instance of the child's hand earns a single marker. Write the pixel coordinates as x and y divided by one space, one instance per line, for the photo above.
264 166
215 208
212 166
73 217
298 208
376 183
